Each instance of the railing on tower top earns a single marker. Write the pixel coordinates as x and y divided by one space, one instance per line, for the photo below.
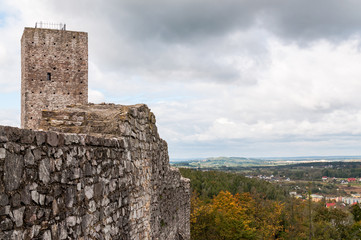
58 26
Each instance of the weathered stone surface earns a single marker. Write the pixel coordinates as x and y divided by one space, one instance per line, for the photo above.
35 196
44 171
4 200
40 137
17 216
15 200
29 157
47 235
89 192
2 153
71 221
13 170
6 224
116 185
52 139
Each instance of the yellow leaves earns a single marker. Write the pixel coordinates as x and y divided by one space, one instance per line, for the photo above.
236 216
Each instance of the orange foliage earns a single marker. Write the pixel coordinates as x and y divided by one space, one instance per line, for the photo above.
235 217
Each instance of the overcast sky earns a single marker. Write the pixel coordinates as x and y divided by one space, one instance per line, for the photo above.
256 78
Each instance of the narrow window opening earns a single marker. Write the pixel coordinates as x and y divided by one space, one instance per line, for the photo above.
68 93
31 117
79 70
48 76
67 45
54 43
81 93
55 56
81 59
53 92
40 91
54 68
81 81
73 36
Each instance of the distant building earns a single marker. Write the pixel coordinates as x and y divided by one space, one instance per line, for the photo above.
316 198
293 193
351 200
330 205
324 178
351 179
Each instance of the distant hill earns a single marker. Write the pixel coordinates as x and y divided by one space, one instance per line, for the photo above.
236 162
221 162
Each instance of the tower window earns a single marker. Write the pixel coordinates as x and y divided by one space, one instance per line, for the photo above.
48 76
54 68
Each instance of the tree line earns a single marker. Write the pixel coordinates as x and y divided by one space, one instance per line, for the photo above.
229 206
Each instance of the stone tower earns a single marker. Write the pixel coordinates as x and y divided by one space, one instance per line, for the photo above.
54 71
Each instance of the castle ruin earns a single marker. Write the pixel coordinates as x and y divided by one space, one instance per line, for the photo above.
83 171
54 72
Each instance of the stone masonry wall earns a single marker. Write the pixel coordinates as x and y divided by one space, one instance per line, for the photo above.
82 186
54 72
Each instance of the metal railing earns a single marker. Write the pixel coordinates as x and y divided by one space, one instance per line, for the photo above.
57 26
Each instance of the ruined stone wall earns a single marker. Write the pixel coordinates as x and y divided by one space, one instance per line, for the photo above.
54 65
81 186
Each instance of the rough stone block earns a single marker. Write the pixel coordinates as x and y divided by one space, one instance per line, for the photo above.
44 171
52 139
13 170
2 153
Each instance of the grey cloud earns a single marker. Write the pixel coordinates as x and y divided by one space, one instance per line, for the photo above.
186 39
305 21
188 21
